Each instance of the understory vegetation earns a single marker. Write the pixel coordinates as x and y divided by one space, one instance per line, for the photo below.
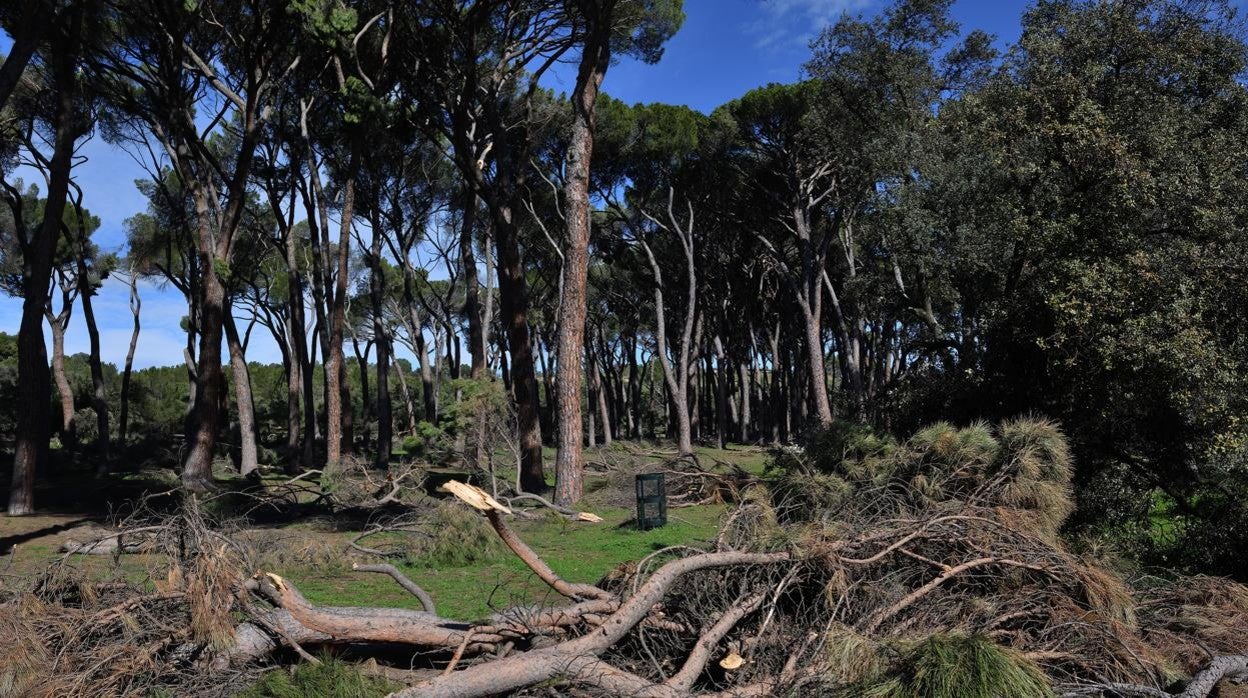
939 348
851 565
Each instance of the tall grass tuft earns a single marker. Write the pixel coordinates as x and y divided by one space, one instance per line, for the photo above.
958 666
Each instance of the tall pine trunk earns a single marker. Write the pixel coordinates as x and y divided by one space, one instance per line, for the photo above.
338 398
205 417
513 291
595 59
58 323
33 378
381 335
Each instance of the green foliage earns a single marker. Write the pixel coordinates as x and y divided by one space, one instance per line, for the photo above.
332 678
957 666
8 385
460 537
849 449
1023 464
643 27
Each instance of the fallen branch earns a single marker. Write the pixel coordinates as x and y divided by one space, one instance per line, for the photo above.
576 657
426 601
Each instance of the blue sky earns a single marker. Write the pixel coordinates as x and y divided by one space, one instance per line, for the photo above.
725 48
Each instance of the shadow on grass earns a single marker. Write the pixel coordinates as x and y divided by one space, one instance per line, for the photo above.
7 543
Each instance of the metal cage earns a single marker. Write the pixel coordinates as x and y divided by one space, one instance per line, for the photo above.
651 501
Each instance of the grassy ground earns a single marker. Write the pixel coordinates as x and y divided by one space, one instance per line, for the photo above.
580 552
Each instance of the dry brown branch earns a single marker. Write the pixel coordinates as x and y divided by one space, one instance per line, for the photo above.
695 663
538 565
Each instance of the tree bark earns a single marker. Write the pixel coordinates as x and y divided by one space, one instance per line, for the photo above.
677 377
595 59
472 308
595 377
472 302
31 447
407 396
722 371
294 398
99 392
204 418
205 413
26 36
249 461
514 307
58 322
361 363
298 330
381 335
337 396
415 328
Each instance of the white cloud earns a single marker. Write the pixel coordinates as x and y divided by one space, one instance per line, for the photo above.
792 24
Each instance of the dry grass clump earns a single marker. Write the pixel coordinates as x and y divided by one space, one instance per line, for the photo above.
77 637
270 548
1191 617
459 537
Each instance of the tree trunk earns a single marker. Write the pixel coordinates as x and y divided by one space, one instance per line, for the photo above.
381 335
25 41
746 381
595 59
249 461
294 398
205 413
361 362
298 330
472 303
136 304
337 401
472 310
776 405
816 370
634 407
99 392
675 377
58 323
546 359
604 411
33 380
408 404
722 371
514 308
429 392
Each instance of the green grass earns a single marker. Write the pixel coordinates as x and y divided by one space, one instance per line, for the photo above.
579 552
329 679
752 460
463 588
959 666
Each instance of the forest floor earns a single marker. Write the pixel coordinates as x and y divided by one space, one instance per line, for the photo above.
313 551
